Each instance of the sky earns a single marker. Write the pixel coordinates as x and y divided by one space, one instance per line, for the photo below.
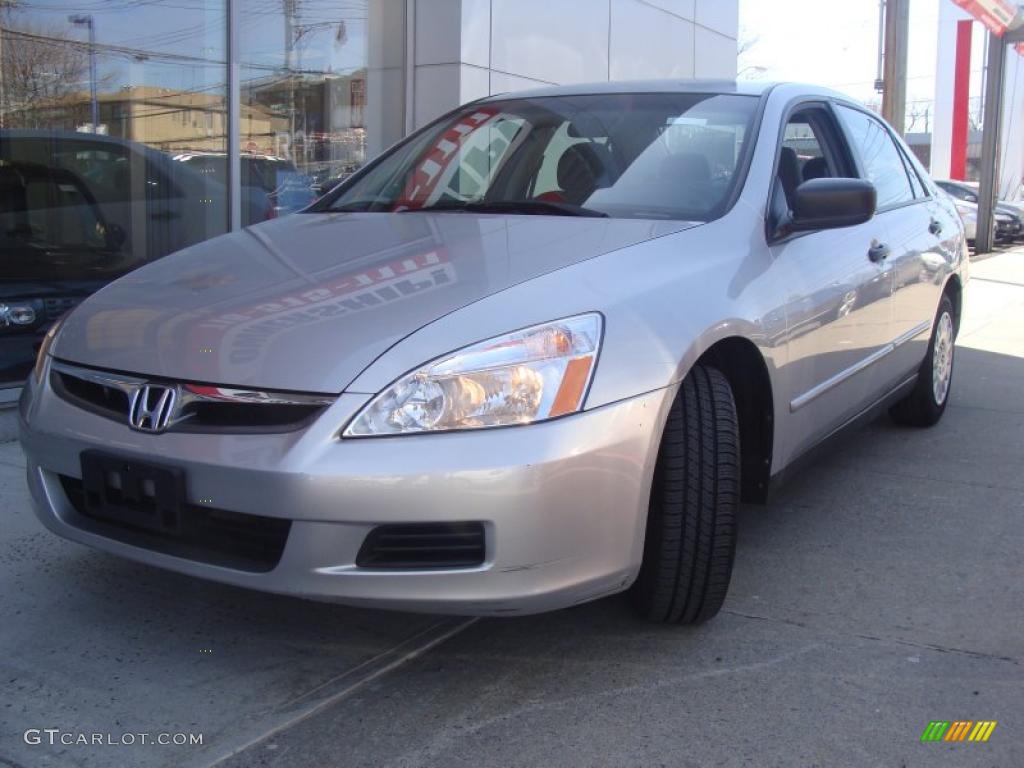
183 40
835 43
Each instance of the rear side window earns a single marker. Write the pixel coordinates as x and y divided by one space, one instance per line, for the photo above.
921 189
881 158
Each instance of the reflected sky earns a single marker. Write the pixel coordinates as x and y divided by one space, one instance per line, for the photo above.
180 44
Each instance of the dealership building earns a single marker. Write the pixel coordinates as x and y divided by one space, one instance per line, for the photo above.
163 123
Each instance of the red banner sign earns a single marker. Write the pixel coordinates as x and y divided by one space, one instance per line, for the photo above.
996 15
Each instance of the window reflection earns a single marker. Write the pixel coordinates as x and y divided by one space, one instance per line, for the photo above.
114 136
98 100
306 72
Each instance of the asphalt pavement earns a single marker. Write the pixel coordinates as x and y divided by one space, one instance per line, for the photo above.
882 590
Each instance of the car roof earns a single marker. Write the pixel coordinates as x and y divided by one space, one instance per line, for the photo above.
37 170
741 87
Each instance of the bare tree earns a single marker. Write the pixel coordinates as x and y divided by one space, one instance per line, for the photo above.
746 70
41 68
919 111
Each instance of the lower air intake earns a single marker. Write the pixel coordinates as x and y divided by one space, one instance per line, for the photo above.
423 545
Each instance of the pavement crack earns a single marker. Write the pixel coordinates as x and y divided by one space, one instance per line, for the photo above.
939 648
879 638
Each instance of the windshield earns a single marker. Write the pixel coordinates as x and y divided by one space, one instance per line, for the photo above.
664 156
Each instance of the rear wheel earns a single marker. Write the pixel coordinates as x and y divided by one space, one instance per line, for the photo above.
691 526
925 405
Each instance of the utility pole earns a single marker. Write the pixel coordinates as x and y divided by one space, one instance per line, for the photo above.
86 20
894 69
991 143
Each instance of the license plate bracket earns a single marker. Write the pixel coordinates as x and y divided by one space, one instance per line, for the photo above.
133 493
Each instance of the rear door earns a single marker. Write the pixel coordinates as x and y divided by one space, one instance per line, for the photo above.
838 306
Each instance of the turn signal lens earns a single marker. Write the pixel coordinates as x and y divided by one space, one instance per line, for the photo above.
44 350
526 376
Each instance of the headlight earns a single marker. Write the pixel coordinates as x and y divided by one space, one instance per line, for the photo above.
44 349
525 376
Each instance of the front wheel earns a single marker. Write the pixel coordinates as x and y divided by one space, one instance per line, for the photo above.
925 405
691 526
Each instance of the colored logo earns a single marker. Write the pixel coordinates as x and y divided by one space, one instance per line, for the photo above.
958 730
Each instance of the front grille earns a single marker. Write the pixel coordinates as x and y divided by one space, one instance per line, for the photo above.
207 535
423 545
109 401
88 390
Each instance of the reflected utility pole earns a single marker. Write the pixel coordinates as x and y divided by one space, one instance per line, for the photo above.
290 11
86 20
4 5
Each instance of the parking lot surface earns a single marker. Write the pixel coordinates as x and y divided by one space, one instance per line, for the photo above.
882 590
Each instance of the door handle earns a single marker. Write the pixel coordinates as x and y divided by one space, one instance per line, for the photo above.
935 227
878 252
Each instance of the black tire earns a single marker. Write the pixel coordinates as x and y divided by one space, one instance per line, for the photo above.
922 407
691 521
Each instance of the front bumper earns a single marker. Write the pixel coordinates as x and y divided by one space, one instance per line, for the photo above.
563 503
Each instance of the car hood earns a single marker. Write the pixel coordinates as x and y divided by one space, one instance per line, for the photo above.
306 302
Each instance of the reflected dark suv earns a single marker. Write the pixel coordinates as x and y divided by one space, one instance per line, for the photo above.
56 248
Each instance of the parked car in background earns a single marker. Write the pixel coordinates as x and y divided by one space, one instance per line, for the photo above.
162 205
1009 216
286 190
533 355
56 248
155 205
327 177
969 216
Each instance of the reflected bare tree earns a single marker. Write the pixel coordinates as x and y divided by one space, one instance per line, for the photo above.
40 69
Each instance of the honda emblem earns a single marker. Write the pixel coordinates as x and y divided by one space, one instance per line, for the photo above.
151 408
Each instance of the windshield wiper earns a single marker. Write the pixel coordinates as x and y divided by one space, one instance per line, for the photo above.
530 207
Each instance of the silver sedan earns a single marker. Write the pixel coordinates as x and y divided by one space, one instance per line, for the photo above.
533 355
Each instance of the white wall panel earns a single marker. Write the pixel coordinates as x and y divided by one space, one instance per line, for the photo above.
476 32
684 9
721 16
437 91
715 55
505 83
474 83
562 41
438 25
647 42
466 49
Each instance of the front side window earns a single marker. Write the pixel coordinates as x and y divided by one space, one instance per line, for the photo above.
881 158
659 156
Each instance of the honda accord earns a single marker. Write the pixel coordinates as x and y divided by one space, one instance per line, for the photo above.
535 354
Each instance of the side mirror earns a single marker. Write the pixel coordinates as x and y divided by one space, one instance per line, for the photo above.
831 203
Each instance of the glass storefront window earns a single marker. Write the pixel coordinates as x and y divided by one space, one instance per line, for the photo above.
98 102
305 77
114 132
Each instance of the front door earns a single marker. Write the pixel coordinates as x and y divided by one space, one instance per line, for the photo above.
840 288
916 228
